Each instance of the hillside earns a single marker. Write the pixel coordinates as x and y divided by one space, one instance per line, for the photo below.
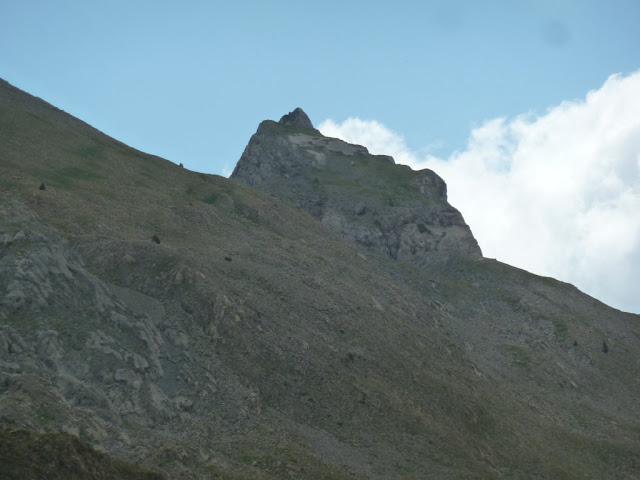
26 455
200 327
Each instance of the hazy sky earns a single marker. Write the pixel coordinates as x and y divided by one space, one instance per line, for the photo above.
493 95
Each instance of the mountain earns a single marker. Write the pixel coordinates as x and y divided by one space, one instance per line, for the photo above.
363 198
274 326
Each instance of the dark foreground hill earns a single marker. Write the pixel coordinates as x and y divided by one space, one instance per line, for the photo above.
199 327
26 455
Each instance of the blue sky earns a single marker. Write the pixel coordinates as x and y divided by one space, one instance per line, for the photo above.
190 81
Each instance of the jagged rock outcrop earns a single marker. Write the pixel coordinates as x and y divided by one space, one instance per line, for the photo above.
67 313
92 358
362 197
297 118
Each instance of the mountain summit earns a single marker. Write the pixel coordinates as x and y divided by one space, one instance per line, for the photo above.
297 118
363 198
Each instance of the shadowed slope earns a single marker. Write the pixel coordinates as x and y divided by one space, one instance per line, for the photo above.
27 455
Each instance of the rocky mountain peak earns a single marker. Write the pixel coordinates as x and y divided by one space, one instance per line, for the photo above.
363 198
297 118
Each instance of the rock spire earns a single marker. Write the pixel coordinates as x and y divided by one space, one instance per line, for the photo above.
297 118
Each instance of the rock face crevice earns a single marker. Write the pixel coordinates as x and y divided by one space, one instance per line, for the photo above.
363 198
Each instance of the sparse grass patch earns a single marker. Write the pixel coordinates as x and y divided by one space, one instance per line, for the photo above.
560 328
66 178
520 356
212 198
92 154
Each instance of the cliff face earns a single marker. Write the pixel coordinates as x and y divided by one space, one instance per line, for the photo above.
363 198
205 329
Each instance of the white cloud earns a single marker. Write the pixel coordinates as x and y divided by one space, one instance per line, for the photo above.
557 194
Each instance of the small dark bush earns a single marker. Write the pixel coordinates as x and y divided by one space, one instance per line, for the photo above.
228 259
605 348
156 239
43 186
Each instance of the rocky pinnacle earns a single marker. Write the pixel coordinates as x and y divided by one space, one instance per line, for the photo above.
363 198
297 118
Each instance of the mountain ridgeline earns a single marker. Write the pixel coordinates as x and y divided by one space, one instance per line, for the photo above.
323 314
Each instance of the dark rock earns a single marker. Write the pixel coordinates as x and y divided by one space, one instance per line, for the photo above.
297 118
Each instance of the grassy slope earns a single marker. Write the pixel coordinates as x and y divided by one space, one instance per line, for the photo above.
471 374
